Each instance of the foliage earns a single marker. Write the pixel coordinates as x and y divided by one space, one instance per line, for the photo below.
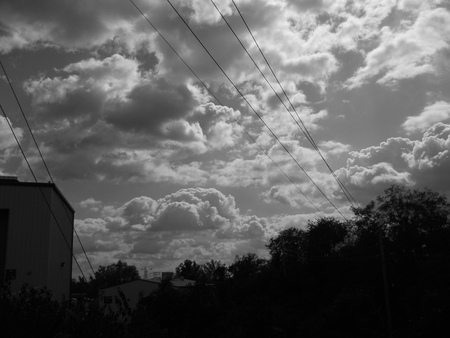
115 274
288 247
32 311
189 270
214 272
105 276
326 235
246 266
325 280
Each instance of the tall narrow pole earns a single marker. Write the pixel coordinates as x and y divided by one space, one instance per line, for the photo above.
386 287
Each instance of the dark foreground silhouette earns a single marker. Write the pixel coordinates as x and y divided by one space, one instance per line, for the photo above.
385 272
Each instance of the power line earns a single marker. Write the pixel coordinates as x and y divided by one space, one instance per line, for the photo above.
26 120
304 129
42 157
220 103
256 113
40 189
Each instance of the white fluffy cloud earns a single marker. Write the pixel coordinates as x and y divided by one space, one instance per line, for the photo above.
334 147
423 163
408 53
192 223
437 112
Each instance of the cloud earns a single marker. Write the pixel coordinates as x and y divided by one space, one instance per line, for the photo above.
119 123
378 173
151 108
193 223
94 236
281 194
437 112
91 203
7 139
91 226
259 169
11 159
139 210
406 54
81 24
193 209
334 147
92 244
423 163
87 86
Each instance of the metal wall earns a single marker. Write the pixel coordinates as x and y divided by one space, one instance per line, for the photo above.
35 247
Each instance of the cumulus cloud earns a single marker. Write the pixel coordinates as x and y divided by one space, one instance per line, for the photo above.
122 108
194 209
122 124
193 223
437 112
88 84
91 203
421 163
280 195
334 147
94 236
260 170
408 53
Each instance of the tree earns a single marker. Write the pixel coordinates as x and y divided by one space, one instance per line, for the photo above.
326 235
246 266
416 222
214 271
114 274
288 248
189 270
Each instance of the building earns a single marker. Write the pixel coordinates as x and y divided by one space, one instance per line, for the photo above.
36 236
133 288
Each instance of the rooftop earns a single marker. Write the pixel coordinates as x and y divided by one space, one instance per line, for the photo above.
14 180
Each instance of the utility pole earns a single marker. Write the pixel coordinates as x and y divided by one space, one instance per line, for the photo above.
386 287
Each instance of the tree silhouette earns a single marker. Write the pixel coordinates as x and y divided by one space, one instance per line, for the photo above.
416 222
214 271
114 274
189 270
326 235
246 266
288 248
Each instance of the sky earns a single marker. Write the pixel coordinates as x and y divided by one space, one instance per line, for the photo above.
160 169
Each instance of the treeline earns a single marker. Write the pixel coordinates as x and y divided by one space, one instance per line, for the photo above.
383 273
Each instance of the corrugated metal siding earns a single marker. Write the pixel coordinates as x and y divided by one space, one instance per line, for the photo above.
35 246
60 259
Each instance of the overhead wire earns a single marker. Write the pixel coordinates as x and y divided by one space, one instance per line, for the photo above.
256 113
45 165
305 131
40 189
309 137
220 103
